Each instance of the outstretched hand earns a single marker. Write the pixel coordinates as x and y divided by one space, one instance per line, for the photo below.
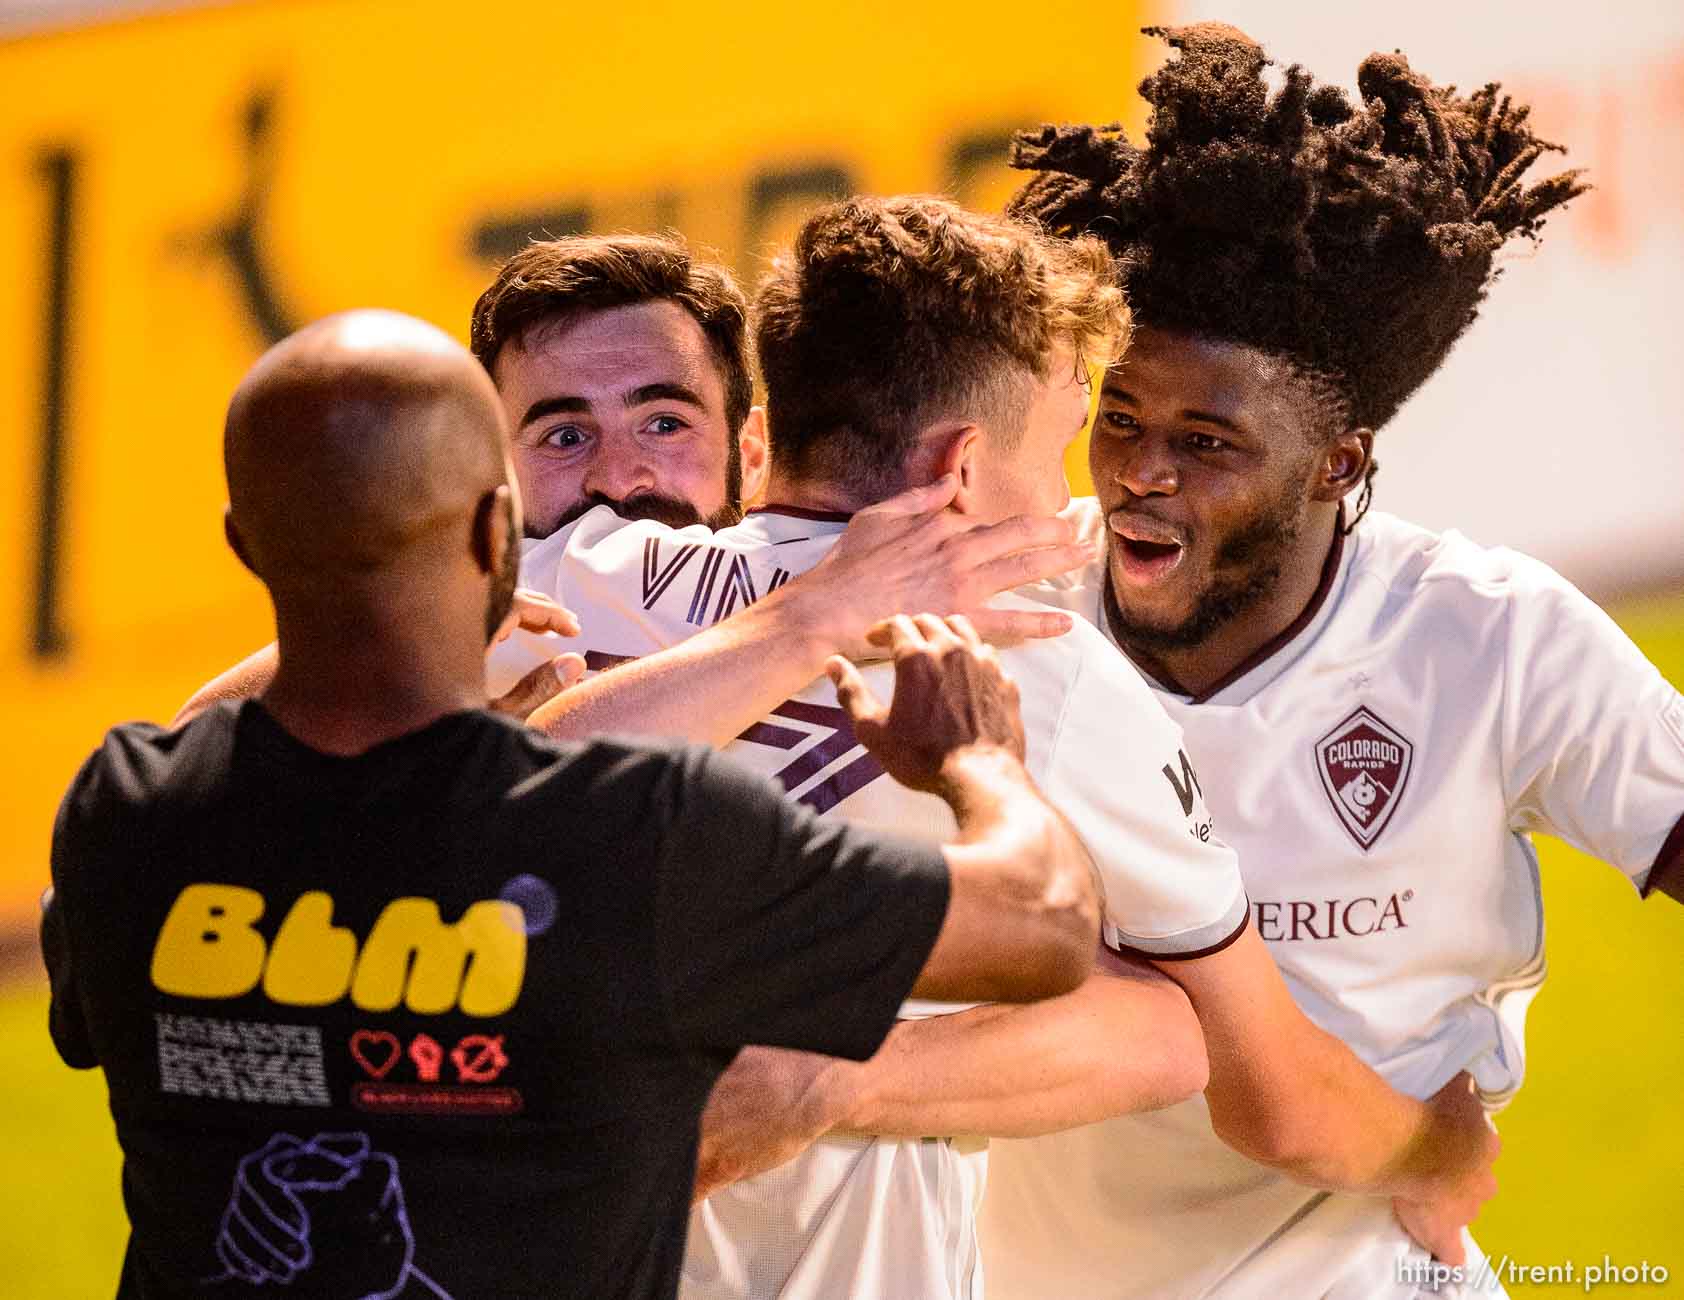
951 696
912 553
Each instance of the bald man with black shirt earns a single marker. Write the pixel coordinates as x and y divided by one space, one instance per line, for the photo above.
382 982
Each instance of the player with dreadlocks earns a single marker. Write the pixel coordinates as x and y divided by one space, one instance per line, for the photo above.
1390 711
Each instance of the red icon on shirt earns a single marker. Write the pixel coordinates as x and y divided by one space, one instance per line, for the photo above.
376 1050
477 1058
428 1056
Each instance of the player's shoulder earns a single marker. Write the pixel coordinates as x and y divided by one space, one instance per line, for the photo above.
600 529
602 547
1080 674
138 761
577 765
139 767
609 776
1448 568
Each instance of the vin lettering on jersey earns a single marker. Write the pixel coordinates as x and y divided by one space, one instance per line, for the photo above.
658 577
720 571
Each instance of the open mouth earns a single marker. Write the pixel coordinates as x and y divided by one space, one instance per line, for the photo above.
1147 552
1147 549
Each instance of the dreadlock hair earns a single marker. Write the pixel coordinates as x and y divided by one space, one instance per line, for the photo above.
1355 242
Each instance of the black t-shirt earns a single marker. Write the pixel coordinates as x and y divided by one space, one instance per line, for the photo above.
439 1019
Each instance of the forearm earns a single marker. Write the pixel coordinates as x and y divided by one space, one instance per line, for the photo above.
1332 1122
1291 1096
1114 1046
1023 901
708 688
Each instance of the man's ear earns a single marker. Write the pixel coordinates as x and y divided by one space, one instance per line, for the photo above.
236 543
493 519
1344 465
755 451
961 457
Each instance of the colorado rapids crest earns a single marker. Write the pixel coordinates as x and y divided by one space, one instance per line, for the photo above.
1363 764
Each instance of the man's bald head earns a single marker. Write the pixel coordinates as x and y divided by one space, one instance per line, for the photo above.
366 443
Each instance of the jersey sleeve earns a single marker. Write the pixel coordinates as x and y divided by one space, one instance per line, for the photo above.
1119 770
66 1022
1592 734
778 928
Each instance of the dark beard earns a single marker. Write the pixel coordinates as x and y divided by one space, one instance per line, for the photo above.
502 596
1248 565
667 510
647 505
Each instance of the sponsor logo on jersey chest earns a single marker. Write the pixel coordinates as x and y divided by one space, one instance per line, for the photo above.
1364 765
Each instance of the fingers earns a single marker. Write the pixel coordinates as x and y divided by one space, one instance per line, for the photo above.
1022 567
852 693
1432 1231
570 668
540 686
898 635
989 542
938 636
965 631
906 634
1004 627
536 612
919 500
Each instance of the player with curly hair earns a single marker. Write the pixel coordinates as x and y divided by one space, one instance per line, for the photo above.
900 339
1391 711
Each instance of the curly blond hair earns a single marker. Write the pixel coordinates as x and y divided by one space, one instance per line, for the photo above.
891 314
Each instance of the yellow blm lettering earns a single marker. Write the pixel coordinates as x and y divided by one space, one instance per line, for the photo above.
209 947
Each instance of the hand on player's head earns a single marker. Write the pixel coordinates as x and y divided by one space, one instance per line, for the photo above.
951 696
912 553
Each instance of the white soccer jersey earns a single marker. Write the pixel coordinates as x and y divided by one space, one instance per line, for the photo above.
886 1217
1378 770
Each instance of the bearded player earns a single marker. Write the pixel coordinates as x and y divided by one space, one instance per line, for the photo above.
952 348
1391 712
904 342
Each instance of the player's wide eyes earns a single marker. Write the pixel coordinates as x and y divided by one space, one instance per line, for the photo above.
565 436
1205 442
1121 421
666 424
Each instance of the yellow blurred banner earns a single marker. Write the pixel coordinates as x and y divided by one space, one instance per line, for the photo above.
178 191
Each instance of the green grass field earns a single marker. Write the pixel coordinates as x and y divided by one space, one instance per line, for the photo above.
1593 1161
